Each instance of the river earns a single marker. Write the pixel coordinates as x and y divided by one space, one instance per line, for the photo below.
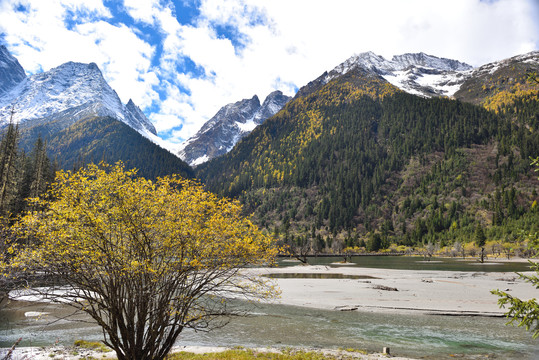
414 335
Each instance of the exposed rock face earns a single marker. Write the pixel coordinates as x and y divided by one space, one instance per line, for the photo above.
11 72
429 76
228 126
490 79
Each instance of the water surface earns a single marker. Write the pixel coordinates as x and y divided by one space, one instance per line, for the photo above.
414 335
415 263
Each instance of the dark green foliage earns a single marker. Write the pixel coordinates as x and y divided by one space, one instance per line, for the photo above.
22 176
8 167
26 169
479 236
374 243
416 170
37 172
106 139
524 312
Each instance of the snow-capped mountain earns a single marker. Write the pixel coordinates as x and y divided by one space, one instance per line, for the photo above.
489 80
11 72
531 58
428 76
64 95
418 74
232 122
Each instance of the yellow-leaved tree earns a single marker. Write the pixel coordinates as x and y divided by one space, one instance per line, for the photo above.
144 259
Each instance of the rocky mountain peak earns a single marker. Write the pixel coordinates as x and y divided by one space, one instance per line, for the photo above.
380 65
11 72
137 120
66 94
416 73
428 61
239 111
232 122
73 69
271 105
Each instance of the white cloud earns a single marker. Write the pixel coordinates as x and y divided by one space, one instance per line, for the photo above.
125 59
142 10
174 106
39 35
278 44
300 39
40 38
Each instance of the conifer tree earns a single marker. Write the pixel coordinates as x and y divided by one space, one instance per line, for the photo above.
524 312
40 169
479 236
8 162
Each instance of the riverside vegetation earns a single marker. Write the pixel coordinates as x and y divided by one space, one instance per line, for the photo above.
245 354
144 259
94 350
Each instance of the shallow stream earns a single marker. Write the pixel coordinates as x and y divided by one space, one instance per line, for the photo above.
421 336
413 335
415 263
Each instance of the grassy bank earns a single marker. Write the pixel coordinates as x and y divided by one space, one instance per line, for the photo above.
249 354
84 350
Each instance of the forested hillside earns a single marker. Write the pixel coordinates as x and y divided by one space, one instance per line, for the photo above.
357 162
26 168
22 175
99 139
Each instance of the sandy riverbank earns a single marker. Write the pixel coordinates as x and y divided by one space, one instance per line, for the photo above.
378 290
437 292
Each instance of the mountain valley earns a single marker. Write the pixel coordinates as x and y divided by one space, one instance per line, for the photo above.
372 154
354 160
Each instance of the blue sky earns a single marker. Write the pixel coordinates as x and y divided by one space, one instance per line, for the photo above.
182 60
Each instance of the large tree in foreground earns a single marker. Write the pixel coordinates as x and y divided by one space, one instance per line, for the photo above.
144 259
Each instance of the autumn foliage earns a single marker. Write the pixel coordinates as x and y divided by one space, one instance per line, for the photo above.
144 259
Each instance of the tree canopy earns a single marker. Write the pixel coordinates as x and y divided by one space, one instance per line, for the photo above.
524 312
144 259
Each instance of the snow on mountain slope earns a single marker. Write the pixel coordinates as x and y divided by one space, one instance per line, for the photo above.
427 83
74 89
531 58
232 122
428 61
418 74
11 72
135 118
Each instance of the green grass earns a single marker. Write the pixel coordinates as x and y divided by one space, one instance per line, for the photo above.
253 354
91 345
239 353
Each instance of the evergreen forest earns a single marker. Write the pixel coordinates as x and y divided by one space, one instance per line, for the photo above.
22 175
28 161
348 166
356 163
97 139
